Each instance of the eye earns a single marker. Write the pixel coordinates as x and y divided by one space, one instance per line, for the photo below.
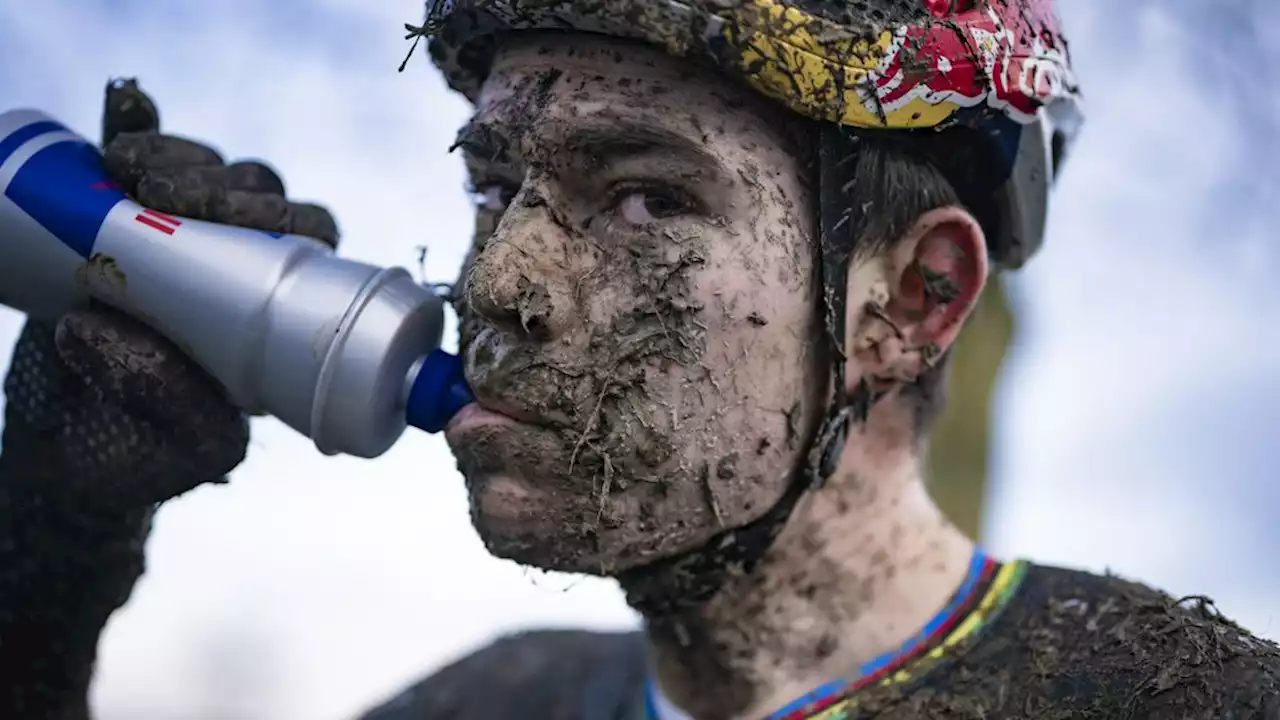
647 205
493 197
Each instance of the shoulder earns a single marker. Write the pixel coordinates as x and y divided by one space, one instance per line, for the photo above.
1152 651
538 675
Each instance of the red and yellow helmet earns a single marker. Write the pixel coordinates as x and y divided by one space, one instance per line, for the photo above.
999 66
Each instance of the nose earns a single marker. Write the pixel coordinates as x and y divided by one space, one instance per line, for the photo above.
519 281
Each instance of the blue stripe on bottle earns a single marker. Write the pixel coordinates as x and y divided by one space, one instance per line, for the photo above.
14 140
65 189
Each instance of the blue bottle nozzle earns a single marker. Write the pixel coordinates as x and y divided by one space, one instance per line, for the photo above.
438 392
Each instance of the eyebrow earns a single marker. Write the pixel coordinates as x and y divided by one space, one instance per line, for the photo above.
608 140
615 140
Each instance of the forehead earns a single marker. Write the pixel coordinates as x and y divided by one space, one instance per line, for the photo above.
544 85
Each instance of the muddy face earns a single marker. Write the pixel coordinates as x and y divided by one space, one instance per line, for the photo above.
639 306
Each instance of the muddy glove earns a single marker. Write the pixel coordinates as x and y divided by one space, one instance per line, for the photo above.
104 420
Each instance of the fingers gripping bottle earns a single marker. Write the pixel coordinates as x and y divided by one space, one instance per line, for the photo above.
344 352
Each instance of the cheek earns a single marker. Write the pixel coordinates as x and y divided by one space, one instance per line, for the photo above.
759 309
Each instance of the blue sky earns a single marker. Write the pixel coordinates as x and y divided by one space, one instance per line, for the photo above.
1137 416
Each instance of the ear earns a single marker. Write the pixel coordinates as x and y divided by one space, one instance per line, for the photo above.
907 306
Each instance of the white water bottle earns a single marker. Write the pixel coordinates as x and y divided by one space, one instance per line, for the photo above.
344 352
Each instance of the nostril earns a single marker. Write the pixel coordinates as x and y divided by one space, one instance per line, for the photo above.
517 306
535 326
531 306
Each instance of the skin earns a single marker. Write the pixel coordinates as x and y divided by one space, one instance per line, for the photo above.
641 326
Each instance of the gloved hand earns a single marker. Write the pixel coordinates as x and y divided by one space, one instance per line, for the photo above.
104 419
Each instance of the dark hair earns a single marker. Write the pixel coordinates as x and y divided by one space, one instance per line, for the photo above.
894 178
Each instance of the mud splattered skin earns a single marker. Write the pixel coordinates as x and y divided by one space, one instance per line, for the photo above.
616 311
1069 645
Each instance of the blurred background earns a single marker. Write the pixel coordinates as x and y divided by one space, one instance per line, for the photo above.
1133 422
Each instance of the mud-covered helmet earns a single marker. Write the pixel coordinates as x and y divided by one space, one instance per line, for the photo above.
1000 67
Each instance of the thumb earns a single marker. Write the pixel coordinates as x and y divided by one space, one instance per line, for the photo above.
127 109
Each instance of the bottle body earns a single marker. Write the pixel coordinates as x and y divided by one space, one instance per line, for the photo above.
328 345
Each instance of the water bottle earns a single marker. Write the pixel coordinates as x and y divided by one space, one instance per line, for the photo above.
344 352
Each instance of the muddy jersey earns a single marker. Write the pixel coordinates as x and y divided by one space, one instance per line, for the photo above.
1030 642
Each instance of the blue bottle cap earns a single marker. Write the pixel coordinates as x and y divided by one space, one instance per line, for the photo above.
438 393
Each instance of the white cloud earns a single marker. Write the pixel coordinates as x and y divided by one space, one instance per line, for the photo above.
345 579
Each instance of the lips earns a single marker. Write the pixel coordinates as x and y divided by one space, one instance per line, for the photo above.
472 416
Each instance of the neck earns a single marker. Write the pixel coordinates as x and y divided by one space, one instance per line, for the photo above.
862 565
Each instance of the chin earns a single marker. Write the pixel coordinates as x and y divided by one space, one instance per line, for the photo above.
553 530
527 509
520 523
517 521
549 524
